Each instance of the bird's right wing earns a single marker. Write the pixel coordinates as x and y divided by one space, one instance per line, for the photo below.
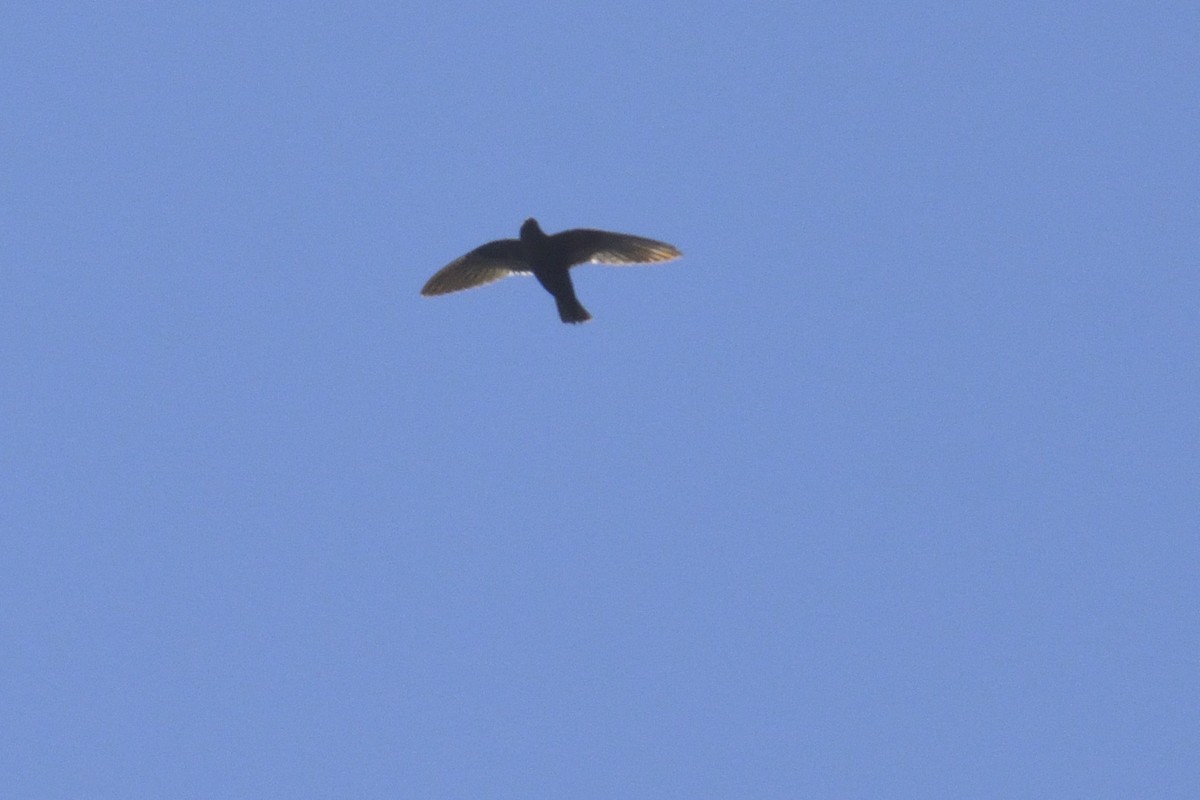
483 265
583 245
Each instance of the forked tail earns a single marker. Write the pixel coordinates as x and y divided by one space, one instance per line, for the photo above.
571 310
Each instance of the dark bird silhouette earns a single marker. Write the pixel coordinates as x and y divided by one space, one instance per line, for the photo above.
549 259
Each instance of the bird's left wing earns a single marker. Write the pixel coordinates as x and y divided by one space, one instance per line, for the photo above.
485 264
581 245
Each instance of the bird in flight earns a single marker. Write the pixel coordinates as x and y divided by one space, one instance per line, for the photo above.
549 258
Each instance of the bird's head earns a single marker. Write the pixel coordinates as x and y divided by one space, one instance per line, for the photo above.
530 228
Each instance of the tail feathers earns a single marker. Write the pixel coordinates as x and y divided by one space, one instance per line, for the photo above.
571 310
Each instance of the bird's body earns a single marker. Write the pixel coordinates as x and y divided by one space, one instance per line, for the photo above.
548 258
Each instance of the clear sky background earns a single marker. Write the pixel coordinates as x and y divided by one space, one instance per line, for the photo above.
888 488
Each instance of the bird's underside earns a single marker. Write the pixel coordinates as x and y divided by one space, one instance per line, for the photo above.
549 258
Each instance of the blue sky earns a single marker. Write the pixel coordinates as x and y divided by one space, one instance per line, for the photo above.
888 488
